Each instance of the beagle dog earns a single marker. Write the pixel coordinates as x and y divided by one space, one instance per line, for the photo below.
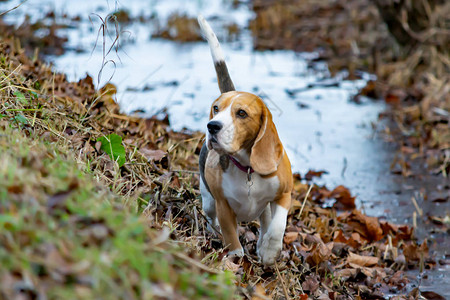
245 171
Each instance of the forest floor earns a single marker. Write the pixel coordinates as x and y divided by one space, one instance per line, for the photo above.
94 203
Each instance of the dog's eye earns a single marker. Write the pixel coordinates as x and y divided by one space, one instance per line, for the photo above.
241 114
215 109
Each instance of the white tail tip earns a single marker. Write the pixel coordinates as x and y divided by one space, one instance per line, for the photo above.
210 36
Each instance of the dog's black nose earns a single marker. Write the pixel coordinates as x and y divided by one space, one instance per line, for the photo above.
214 127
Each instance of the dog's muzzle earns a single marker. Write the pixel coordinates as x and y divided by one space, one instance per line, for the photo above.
214 127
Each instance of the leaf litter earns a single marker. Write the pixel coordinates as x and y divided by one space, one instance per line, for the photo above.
410 60
326 254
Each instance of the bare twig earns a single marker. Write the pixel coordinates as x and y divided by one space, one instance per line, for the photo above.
15 7
286 294
419 210
304 201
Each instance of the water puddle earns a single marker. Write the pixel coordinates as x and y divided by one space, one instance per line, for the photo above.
321 128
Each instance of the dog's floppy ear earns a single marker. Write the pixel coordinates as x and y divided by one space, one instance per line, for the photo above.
267 150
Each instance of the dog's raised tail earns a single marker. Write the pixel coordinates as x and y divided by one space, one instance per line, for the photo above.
223 77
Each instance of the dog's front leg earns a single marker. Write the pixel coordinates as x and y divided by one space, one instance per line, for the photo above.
264 221
228 226
209 208
272 240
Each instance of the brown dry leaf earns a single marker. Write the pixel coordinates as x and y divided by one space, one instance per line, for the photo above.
354 241
260 291
154 155
369 272
404 232
228 264
395 96
250 236
388 228
310 284
374 272
180 28
311 239
247 266
413 252
295 205
363 261
398 279
15 189
392 99
431 295
319 254
175 183
343 197
98 146
323 297
271 286
410 251
311 174
300 188
346 273
321 193
356 237
290 237
368 227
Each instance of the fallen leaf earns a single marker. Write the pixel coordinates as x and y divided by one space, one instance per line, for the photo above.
346 273
343 197
175 182
431 295
259 290
364 261
15 189
398 279
413 252
228 264
310 284
300 187
311 174
368 227
323 297
290 237
154 155
319 254
353 241
250 236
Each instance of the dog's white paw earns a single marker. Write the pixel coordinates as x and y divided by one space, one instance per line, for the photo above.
236 253
269 249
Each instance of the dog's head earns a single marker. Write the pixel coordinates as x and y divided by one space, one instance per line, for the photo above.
241 121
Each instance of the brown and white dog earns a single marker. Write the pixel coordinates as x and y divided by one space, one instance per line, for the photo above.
245 171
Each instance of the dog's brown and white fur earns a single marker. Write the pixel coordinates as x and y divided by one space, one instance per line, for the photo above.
245 171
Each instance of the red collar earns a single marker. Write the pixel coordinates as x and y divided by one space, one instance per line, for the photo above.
247 170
